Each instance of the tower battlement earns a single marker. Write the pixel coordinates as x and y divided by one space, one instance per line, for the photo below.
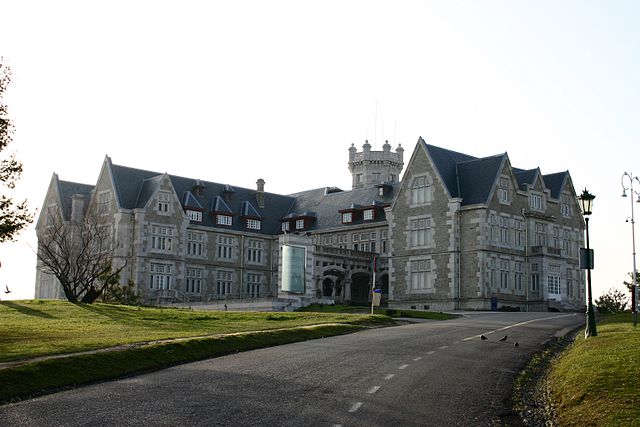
374 167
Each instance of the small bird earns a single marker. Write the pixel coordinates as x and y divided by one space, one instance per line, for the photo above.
504 338
482 337
515 344
6 289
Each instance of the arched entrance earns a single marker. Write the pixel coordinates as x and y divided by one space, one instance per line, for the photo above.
332 284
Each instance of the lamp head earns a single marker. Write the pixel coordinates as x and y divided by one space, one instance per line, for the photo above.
624 192
586 202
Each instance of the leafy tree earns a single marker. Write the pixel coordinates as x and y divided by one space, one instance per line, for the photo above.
614 301
629 284
13 217
79 254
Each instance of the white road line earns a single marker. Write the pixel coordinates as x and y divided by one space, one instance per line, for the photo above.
355 407
430 352
417 358
403 366
373 389
389 376
443 347
518 324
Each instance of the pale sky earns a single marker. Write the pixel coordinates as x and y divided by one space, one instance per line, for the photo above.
233 91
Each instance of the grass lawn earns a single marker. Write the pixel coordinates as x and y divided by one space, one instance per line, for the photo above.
37 328
597 380
416 314
40 328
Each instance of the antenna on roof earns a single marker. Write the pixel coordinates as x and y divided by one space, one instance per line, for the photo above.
395 128
375 124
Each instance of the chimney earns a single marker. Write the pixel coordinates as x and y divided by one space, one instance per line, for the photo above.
77 208
260 192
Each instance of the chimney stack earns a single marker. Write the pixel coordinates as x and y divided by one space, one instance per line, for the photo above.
260 192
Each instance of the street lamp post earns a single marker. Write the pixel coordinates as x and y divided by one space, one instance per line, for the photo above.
586 203
634 285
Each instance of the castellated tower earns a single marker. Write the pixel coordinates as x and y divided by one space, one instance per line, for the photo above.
374 167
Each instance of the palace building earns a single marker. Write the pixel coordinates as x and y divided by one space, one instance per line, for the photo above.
456 232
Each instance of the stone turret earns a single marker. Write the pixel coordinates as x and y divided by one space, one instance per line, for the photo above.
369 168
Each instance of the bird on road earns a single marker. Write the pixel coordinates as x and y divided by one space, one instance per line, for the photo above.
482 337
504 338
515 344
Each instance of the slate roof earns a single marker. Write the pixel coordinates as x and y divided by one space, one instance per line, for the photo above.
473 179
327 205
134 187
67 189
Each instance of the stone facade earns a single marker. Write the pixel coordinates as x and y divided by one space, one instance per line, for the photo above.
457 232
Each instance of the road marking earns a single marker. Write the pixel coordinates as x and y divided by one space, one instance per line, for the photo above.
518 324
443 347
373 389
389 376
417 358
355 407
403 366
430 352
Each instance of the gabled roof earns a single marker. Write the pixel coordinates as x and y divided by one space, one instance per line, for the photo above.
555 182
525 177
135 187
476 178
190 201
67 189
445 162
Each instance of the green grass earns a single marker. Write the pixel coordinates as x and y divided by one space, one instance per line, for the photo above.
43 328
416 314
596 381
38 328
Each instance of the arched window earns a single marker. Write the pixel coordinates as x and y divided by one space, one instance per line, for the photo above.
421 190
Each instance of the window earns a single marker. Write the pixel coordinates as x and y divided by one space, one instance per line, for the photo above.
194 280
346 217
421 233
104 203
377 177
223 284
299 224
383 241
392 177
421 275
253 284
565 207
253 224
566 242
224 219
359 178
503 190
194 215
327 240
195 243
541 234
285 226
163 201
518 235
160 277
493 228
556 237
535 278
254 254
504 230
569 282
368 214
504 274
225 247
519 273
535 202
553 284
421 190
493 281
161 238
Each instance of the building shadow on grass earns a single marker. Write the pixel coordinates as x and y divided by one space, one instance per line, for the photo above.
27 310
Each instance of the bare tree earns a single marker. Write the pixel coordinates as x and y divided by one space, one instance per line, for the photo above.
13 217
79 253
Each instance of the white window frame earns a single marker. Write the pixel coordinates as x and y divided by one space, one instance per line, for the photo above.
421 232
254 224
194 215
421 275
421 190
161 238
222 219
299 224
536 202
285 226
160 277
347 217
368 214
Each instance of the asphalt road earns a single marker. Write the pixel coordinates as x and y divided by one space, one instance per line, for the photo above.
424 374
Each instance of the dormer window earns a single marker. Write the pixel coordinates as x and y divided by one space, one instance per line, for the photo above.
285 226
253 224
299 224
224 219
347 217
194 215
368 214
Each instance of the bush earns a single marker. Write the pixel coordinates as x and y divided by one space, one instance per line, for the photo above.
613 301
